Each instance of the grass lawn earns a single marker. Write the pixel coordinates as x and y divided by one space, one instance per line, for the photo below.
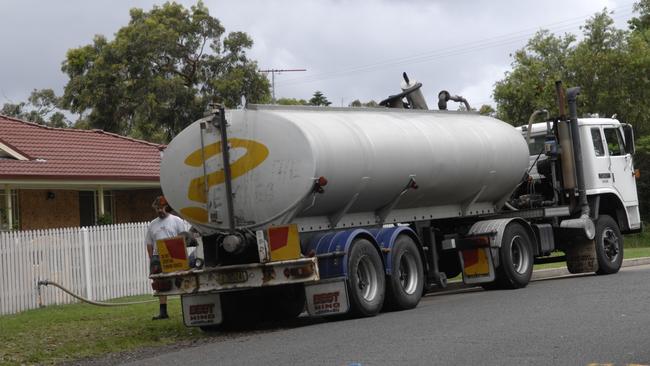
68 332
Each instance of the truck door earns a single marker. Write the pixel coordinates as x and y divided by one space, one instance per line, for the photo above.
620 164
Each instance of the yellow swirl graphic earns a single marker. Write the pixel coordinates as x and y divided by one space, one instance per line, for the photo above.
256 153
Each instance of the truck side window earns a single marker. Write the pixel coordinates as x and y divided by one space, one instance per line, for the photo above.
597 140
614 141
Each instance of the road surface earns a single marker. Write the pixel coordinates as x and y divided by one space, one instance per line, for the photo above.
577 320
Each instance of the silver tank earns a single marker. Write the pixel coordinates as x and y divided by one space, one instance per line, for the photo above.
381 165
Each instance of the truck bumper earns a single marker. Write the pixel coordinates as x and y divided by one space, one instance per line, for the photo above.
239 277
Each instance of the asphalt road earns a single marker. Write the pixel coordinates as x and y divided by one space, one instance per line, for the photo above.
578 320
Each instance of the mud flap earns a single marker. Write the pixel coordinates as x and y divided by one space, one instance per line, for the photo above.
201 310
581 257
477 265
328 298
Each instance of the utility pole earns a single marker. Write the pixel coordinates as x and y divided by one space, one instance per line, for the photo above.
272 72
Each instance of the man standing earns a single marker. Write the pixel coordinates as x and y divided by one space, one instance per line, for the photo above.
164 226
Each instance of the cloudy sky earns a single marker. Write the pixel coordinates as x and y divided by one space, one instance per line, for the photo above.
352 49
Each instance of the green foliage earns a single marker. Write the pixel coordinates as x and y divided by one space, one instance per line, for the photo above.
642 162
105 219
487 110
160 72
611 66
358 103
291 101
43 107
319 99
642 22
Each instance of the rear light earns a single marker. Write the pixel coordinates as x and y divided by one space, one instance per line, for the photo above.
300 272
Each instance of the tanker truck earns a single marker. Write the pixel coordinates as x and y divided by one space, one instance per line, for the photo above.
358 210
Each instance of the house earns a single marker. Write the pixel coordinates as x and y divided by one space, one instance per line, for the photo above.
62 177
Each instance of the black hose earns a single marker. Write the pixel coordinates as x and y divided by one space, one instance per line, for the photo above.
47 283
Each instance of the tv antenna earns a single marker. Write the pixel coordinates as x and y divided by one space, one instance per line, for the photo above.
272 72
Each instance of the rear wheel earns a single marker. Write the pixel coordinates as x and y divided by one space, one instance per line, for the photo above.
405 283
515 258
609 245
366 279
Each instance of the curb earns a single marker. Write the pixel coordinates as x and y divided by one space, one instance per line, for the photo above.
541 274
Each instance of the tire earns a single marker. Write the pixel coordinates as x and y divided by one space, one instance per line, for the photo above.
609 245
404 285
515 259
366 279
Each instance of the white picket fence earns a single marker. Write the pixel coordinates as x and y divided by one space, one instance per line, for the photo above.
98 263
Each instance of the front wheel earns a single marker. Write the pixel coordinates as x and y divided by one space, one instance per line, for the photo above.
366 279
609 245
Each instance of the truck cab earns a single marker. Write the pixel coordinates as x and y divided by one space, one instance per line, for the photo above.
610 177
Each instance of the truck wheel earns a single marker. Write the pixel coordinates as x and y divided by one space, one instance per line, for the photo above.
515 258
404 285
366 279
609 245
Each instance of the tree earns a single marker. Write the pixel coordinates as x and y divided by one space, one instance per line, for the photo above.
531 83
319 99
487 110
160 72
42 107
291 101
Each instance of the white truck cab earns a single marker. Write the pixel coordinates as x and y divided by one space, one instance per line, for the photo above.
607 148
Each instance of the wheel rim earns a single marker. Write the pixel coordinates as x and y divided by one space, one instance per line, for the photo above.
610 244
408 273
519 255
367 281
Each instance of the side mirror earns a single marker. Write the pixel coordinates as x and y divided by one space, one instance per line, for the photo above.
628 134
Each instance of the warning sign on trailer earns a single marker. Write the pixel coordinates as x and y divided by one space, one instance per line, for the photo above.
173 254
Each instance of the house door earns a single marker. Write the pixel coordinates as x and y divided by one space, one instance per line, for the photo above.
87 208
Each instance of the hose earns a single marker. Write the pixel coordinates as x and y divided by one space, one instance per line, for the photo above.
47 283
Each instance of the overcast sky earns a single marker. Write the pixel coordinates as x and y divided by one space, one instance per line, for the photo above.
351 49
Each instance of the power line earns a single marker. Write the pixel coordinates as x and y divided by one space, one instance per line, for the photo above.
454 51
273 71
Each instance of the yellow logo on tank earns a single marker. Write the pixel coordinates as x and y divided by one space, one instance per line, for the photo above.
256 153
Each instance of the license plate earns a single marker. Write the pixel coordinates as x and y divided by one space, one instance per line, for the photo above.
477 265
232 277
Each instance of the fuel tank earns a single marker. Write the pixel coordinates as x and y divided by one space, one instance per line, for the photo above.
374 162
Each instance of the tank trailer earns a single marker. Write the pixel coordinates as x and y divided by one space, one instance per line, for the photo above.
355 210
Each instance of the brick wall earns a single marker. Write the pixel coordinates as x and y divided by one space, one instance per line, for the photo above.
135 205
37 211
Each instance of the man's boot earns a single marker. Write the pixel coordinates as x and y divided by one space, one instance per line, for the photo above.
162 314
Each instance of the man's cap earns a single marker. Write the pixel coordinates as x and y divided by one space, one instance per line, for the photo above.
160 202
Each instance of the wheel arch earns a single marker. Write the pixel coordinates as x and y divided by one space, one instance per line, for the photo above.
338 243
499 226
610 204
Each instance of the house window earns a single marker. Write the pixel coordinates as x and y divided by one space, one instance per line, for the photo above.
8 212
89 208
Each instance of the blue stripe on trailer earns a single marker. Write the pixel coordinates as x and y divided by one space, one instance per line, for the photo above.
333 242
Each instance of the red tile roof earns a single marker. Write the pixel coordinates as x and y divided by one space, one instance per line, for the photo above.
71 154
